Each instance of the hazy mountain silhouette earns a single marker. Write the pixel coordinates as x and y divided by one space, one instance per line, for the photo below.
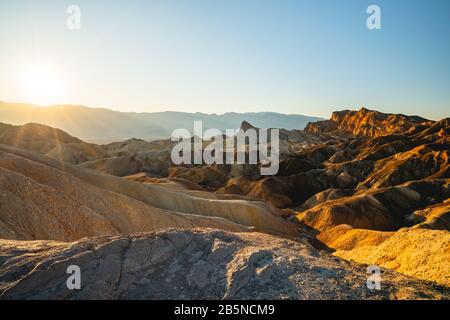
85 122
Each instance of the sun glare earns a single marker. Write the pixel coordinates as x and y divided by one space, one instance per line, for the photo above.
42 86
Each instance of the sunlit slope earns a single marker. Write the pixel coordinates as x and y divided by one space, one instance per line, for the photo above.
68 196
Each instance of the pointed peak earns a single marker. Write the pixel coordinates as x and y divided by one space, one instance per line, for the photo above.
247 125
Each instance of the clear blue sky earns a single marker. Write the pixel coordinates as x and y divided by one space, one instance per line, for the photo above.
304 57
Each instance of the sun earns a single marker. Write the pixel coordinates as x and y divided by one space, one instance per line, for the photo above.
42 86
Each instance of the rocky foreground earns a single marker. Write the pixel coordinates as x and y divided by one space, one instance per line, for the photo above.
193 264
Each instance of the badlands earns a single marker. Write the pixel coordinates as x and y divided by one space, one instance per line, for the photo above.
363 188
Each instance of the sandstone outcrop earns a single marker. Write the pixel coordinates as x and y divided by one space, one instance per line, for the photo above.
367 123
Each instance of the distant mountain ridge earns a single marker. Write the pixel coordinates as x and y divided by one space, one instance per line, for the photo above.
100 123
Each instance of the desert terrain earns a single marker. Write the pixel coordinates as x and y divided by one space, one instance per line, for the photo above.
362 188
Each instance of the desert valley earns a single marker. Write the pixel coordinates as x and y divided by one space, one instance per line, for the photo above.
364 188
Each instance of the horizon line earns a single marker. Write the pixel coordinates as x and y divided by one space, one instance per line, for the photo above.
115 109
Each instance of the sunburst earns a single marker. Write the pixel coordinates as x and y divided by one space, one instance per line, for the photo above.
42 86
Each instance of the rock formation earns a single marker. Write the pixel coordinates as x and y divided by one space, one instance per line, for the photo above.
193 264
364 186
367 123
45 199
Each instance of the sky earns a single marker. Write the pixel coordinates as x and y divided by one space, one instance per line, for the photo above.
214 56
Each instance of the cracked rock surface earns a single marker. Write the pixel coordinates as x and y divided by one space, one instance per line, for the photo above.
193 264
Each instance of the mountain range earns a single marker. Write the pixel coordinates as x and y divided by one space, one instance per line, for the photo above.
104 125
